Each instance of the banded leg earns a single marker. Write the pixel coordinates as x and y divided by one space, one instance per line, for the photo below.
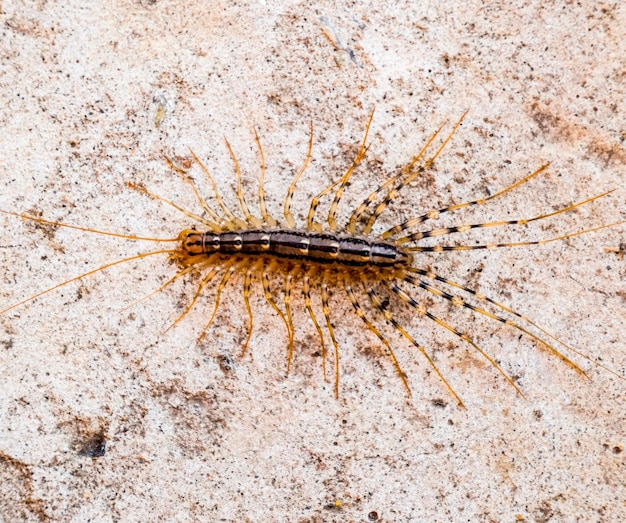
434 214
205 281
357 215
332 213
441 248
306 292
236 223
291 222
203 203
481 297
270 299
267 217
464 228
389 317
424 311
459 302
394 193
361 314
227 275
331 331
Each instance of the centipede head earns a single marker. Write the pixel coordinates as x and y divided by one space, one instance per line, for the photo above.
190 248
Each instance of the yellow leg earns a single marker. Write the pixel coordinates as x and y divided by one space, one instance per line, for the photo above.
236 223
329 325
373 196
205 281
332 213
287 289
306 291
291 222
434 214
270 299
229 272
252 220
424 311
389 317
247 285
444 231
214 216
267 217
361 314
393 194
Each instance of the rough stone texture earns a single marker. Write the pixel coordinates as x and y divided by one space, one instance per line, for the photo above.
105 418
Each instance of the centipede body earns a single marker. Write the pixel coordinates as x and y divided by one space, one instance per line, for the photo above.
375 271
308 247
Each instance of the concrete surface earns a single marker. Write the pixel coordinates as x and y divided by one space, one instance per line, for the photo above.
105 418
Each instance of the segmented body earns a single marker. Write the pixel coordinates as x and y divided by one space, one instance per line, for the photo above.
307 247
377 270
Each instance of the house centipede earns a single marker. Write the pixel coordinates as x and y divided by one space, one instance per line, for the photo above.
374 271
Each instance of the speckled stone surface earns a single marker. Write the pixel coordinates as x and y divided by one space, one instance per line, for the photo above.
104 417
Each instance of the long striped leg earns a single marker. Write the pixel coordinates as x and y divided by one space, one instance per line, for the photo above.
434 214
205 281
441 248
332 213
306 292
237 223
267 217
270 299
389 317
331 330
394 193
203 203
140 188
291 222
459 302
358 213
361 314
424 311
444 231
227 275
481 297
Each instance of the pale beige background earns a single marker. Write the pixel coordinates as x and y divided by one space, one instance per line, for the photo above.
192 431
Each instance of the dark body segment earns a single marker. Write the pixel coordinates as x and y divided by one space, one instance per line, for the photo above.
304 246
